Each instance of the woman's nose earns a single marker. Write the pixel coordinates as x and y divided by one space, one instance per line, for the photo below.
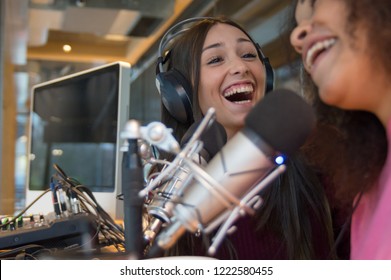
298 36
238 66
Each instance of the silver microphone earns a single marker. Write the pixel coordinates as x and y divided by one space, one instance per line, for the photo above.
162 203
278 125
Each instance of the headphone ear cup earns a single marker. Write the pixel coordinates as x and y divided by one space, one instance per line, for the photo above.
176 95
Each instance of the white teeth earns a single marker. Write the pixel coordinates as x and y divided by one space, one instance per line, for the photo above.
316 48
247 89
242 102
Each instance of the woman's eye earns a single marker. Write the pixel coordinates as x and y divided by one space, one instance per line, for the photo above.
214 60
249 55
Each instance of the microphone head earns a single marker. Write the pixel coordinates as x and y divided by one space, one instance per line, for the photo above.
282 119
214 138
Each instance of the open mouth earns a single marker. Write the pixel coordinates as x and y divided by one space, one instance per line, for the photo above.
240 94
317 49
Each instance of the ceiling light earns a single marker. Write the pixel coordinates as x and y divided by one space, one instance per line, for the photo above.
67 48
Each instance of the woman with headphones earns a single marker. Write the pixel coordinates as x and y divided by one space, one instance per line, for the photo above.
215 63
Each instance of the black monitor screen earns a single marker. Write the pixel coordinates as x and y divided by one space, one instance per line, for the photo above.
74 125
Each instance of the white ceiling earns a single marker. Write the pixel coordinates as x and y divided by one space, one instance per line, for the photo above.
110 30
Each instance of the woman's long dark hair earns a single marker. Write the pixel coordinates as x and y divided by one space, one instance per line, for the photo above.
295 207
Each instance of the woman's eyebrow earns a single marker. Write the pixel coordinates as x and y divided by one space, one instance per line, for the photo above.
217 45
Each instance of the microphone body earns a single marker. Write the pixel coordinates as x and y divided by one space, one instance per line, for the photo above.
161 205
278 124
243 161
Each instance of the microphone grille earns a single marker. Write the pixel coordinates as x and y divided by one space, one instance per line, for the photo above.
282 119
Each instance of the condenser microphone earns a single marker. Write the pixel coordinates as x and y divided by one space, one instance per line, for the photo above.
160 208
277 125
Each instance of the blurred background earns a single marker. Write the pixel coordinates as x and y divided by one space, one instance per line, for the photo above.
45 39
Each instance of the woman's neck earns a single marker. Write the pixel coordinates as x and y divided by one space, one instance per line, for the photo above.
231 132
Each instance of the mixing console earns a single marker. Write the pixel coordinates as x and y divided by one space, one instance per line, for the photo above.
75 230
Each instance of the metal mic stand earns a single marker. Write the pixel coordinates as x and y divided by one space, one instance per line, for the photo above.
132 184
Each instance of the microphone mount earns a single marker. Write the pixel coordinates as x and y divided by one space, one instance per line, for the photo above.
189 219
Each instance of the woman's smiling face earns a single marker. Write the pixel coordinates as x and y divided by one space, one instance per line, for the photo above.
337 57
232 76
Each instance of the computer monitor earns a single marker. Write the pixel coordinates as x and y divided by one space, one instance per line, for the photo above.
75 122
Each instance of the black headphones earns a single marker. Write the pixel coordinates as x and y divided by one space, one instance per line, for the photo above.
174 89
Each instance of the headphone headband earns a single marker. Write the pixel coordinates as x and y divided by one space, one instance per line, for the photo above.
170 35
